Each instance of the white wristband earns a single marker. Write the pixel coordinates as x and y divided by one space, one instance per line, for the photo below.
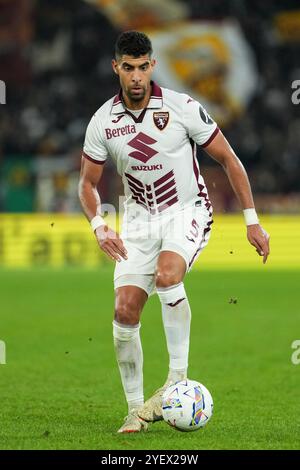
250 216
96 222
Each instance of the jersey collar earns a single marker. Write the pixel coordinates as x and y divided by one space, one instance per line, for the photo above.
156 100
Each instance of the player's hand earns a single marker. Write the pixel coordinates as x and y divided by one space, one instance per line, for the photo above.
259 238
110 242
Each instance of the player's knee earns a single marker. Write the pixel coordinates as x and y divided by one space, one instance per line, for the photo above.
167 278
127 312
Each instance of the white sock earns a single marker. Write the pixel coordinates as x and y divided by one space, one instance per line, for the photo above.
176 315
129 355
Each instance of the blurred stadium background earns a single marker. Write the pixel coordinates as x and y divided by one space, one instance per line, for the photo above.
239 58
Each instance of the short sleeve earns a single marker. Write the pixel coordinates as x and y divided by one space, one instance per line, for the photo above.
200 126
94 148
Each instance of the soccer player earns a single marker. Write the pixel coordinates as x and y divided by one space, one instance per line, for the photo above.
151 134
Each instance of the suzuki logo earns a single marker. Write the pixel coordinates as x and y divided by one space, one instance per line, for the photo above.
141 143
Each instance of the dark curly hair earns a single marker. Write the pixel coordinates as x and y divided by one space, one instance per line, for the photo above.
133 43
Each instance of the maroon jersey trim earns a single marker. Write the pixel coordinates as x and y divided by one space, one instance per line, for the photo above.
98 162
205 231
156 91
215 132
137 119
202 189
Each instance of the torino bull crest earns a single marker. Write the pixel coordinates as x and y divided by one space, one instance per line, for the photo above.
161 120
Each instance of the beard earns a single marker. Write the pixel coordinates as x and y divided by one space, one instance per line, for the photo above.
138 95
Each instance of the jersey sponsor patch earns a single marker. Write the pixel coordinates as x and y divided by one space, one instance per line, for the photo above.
204 115
161 119
120 131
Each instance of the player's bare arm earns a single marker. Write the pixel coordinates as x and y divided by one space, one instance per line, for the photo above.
108 240
221 151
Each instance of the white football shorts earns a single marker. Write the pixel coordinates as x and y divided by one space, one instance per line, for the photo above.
185 232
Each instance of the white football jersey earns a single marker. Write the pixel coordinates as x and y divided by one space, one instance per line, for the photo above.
155 153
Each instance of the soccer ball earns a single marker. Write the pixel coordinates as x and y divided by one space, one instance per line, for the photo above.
187 405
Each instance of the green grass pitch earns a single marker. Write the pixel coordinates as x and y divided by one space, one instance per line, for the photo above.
60 387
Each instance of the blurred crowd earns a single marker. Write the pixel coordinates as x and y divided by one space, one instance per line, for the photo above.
58 72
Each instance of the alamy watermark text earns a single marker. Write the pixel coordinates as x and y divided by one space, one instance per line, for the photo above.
2 92
295 358
2 352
